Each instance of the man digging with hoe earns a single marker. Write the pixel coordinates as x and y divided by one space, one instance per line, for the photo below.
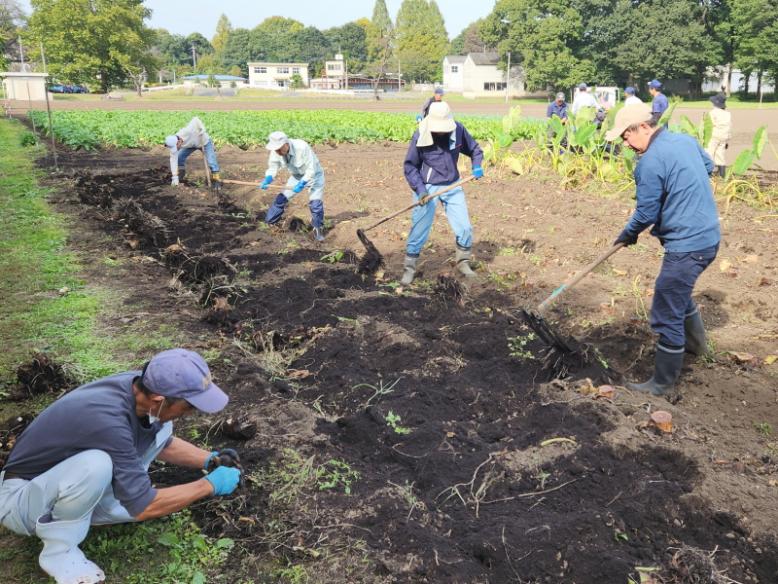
84 460
674 195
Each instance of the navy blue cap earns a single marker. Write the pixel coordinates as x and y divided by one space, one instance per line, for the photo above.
655 84
630 90
183 374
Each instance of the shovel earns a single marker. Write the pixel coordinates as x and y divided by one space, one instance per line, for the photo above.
373 259
535 319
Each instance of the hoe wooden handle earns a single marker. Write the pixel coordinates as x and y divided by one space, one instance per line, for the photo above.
578 277
416 204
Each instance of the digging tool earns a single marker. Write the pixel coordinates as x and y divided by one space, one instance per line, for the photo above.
535 319
373 259
246 183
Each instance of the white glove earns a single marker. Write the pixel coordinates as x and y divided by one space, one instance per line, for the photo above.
174 182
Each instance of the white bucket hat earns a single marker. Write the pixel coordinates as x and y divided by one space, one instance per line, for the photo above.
276 140
172 143
438 120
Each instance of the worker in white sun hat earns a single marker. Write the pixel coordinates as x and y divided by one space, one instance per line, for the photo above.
181 145
297 157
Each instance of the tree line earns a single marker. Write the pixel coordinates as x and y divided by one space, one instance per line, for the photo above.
558 43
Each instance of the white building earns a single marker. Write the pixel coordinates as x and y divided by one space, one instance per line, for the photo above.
276 75
223 80
24 86
716 79
477 75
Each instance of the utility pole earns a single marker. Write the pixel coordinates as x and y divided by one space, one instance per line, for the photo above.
194 57
21 53
508 79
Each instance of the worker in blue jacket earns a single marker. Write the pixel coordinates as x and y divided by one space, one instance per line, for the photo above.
659 102
430 166
558 108
674 195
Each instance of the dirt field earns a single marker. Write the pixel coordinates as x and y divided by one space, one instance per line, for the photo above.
463 486
745 122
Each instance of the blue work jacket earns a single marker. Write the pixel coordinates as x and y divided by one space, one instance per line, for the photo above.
555 109
432 165
674 194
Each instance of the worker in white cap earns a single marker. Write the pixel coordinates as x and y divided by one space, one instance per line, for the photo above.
183 143
305 171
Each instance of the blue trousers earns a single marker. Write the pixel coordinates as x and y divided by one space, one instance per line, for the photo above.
315 202
210 156
673 293
456 211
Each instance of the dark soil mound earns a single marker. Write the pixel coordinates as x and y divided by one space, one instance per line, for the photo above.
41 375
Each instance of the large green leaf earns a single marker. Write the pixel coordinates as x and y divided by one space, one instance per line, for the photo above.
669 111
760 141
707 130
688 127
743 162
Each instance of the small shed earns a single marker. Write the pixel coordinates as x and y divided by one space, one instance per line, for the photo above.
25 85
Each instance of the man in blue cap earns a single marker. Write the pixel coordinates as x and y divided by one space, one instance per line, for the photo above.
630 97
583 99
84 460
659 104
436 97
674 196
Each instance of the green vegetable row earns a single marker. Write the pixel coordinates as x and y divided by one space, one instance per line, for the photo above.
247 129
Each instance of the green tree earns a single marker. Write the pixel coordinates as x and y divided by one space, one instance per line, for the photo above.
222 35
469 40
541 35
170 49
421 40
89 39
273 39
381 18
755 30
237 50
350 40
202 46
11 18
311 46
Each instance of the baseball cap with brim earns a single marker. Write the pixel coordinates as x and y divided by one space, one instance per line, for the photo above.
655 84
582 86
560 95
276 140
630 90
183 374
172 143
628 116
439 91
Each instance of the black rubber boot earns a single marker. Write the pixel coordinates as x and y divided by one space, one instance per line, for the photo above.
667 369
410 270
181 175
696 342
722 171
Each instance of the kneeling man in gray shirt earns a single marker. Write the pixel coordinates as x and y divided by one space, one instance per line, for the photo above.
84 460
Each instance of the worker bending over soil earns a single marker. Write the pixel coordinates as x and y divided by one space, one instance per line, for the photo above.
722 132
187 140
425 109
673 195
430 166
84 460
304 168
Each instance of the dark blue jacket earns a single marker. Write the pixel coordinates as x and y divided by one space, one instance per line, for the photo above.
674 194
554 109
432 165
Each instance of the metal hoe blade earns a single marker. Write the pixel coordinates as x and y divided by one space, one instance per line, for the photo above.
551 338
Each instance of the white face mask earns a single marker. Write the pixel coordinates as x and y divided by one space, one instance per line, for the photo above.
155 418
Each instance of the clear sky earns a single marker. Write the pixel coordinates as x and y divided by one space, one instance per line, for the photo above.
186 16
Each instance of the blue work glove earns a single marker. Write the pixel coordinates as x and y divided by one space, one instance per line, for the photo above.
266 182
223 457
299 186
423 196
626 239
478 172
210 459
419 118
224 479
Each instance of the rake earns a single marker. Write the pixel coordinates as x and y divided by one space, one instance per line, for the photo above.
373 260
535 318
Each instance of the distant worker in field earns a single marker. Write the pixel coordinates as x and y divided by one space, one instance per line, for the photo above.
183 143
558 108
659 104
430 166
722 132
297 157
583 99
436 97
630 98
84 460
674 195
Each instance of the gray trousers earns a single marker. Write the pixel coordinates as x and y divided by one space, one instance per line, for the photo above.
78 487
